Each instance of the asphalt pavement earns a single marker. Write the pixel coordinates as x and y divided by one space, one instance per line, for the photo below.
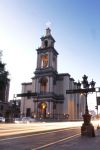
80 143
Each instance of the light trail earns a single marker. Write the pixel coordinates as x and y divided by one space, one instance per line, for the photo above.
35 134
15 129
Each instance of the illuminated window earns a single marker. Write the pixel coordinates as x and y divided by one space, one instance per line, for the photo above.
44 61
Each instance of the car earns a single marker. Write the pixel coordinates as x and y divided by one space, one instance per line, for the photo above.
2 119
28 120
17 120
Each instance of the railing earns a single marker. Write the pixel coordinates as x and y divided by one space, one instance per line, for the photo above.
51 94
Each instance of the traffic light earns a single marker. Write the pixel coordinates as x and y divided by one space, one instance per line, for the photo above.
96 107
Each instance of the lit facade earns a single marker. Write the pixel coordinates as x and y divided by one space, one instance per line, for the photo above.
51 100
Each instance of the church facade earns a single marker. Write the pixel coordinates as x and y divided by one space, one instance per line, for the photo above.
51 100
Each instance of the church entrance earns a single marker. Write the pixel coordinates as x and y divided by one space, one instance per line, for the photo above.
42 109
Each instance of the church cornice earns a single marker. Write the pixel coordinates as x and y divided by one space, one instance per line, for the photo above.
71 79
47 49
47 37
61 76
50 95
26 83
64 74
45 72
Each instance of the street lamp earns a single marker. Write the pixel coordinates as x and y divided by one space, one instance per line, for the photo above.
87 128
86 86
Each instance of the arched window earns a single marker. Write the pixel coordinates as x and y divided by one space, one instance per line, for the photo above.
46 43
44 61
43 85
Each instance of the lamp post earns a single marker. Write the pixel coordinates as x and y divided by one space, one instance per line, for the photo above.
87 128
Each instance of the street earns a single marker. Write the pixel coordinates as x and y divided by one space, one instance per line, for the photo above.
37 136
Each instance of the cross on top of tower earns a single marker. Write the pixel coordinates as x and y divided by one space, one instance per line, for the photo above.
48 30
48 24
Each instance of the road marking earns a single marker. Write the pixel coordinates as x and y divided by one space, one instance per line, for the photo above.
23 136
52 143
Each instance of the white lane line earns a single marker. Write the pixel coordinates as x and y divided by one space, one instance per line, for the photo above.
44 146
23 136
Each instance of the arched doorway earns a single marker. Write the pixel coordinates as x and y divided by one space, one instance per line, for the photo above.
42 109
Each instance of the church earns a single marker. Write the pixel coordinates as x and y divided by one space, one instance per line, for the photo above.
51 100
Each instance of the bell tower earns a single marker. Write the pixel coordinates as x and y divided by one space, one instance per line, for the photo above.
46 54
45 75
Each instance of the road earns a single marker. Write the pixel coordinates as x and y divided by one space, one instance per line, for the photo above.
37 136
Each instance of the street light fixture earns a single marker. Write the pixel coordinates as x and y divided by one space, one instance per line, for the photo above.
86 86
87 128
